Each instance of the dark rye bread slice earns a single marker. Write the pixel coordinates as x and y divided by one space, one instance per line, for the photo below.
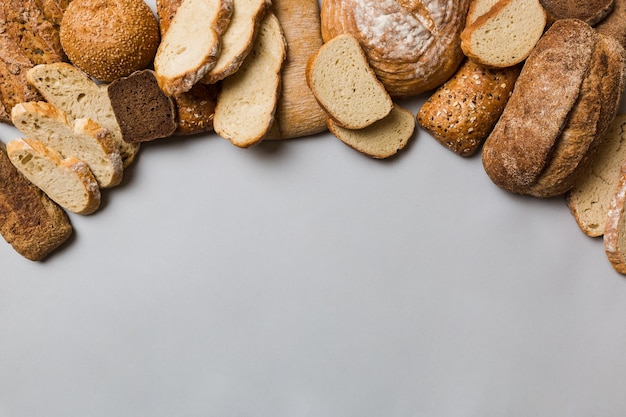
589 120
592 12
141 108
517 150
29 221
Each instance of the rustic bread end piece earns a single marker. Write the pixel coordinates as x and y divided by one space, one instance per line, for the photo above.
381 139
345 85
247 101
192 43
142 110
29 221
506 34
67 181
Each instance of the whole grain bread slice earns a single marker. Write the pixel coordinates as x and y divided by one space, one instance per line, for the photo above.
592 12
345 85
67 181
30 222
247 101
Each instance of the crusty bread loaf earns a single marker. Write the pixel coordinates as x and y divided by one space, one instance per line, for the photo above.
29 35
588 200
74 93
412 45
247 100
383 138
142 110
298 113
504 35
67 181
238 38
591 12
345 85
81 138
190 46
516 151
29 221
127 42
463 111
614 238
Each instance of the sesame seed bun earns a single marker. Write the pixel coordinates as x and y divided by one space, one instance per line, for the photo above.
109 39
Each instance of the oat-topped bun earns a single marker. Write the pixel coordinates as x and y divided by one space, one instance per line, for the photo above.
109 39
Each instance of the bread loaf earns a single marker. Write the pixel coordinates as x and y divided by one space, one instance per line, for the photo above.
412 45
463 111
67 181
29 221
591 12
247 100
344 84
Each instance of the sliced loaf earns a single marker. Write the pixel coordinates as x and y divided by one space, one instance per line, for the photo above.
192 43
381 139
67 181
247 101
81 138
589 199
345 85
74 93
504 35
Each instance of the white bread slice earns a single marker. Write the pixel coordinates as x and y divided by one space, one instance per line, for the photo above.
67 181
381 139
82 138
345 85
589 199
79 97
191 44
238 38
247 101
614 238
505 35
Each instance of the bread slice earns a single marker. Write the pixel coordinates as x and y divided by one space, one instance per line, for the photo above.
30 222
479 8
589 199
592 12
82 138
614 238
237 40
191 44
345 85
67 181
71 91
381 139
247 101
142 110
505 35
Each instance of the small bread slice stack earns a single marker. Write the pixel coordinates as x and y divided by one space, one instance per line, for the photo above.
67 181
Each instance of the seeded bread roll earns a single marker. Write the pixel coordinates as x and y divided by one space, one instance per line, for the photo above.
109 39
463 111
412 45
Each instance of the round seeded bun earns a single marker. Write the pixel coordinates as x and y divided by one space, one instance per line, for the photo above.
109 39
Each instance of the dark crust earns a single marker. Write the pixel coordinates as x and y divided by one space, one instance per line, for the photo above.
592 12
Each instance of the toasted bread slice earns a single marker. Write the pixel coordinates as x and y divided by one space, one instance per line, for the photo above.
67 181
82 138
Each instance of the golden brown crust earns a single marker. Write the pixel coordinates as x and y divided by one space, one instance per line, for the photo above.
463 111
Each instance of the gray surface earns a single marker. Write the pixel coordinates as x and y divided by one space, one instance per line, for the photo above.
304 279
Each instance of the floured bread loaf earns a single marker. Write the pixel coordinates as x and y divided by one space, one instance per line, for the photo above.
67 181
30 222
412 45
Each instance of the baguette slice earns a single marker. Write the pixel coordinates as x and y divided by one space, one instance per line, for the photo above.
505 35
345 85
67 181
614 238
247 101
237 40
191 44
30 222
83 139
592 12
381 139
589 199
74 93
